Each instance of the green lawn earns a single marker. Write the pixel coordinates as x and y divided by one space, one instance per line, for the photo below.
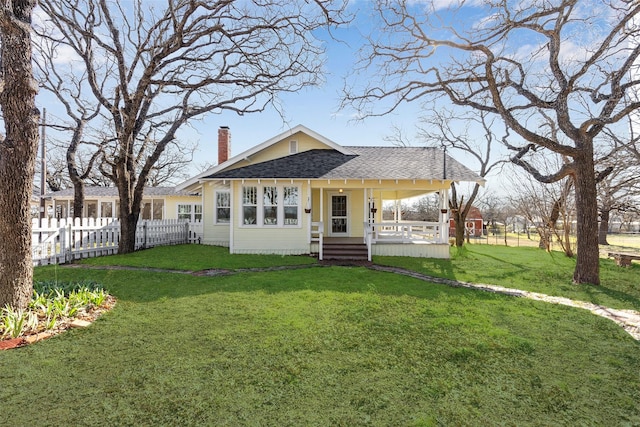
195 258
319 346
530 269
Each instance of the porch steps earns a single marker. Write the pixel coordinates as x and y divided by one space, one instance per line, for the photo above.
344 251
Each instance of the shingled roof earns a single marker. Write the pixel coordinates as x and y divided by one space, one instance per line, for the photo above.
94 191
365 163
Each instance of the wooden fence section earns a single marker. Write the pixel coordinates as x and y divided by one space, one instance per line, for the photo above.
60 241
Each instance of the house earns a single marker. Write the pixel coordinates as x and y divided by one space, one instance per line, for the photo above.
299 192
103 202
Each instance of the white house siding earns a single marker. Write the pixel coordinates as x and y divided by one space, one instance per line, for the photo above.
280 240
281 149
415 250
171 204
214 234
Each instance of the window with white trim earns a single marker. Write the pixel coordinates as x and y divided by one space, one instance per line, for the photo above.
223 207
276 206
270 205
291 205
191 212
249 205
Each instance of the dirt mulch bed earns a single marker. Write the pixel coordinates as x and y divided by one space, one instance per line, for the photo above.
82 319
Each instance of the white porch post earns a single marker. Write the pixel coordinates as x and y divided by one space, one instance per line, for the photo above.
308 206
322 205
444 216
234 211
366 211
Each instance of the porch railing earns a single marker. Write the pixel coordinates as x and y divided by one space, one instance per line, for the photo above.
368 238
317 235
406 232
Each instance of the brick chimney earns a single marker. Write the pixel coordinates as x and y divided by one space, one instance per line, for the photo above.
224 144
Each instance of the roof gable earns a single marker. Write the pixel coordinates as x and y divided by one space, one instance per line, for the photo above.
234 161
361 163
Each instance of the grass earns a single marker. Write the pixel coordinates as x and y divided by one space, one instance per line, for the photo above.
319 346
195 258
530 269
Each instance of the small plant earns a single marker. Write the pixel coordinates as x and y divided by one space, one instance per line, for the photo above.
15 322
51 303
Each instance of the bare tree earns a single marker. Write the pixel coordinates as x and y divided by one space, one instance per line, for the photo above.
18 151
69 93
550 208
473 135
155 69
619 190
521 62
496 210
57 176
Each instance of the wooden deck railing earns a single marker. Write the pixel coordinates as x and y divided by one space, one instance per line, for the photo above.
406 232
317 235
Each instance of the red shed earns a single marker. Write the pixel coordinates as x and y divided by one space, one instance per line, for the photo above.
473 224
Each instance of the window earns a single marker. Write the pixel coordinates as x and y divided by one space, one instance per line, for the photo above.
91 209
184 212
190 212
145 209
152 209
293 147
291 204
274 206
223 207
106 209
249 205
270 205
158 208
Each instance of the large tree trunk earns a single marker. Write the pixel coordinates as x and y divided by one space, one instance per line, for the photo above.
460 233
78 198
588 257
17 154
458 220
128 226
604 227
130 204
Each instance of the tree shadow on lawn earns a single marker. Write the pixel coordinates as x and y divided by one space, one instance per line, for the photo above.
631 295
145 286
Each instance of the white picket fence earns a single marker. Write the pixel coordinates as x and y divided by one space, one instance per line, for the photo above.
59 241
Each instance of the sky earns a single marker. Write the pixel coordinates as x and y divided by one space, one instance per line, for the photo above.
316 108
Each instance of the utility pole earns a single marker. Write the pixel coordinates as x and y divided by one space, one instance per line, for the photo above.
43 166
444 162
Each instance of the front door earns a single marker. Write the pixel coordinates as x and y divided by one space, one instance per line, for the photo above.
339 218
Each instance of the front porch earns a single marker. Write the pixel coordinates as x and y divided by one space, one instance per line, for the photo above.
351 215
410 239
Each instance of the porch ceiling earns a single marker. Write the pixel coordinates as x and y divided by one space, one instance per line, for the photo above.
404 194
385 192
